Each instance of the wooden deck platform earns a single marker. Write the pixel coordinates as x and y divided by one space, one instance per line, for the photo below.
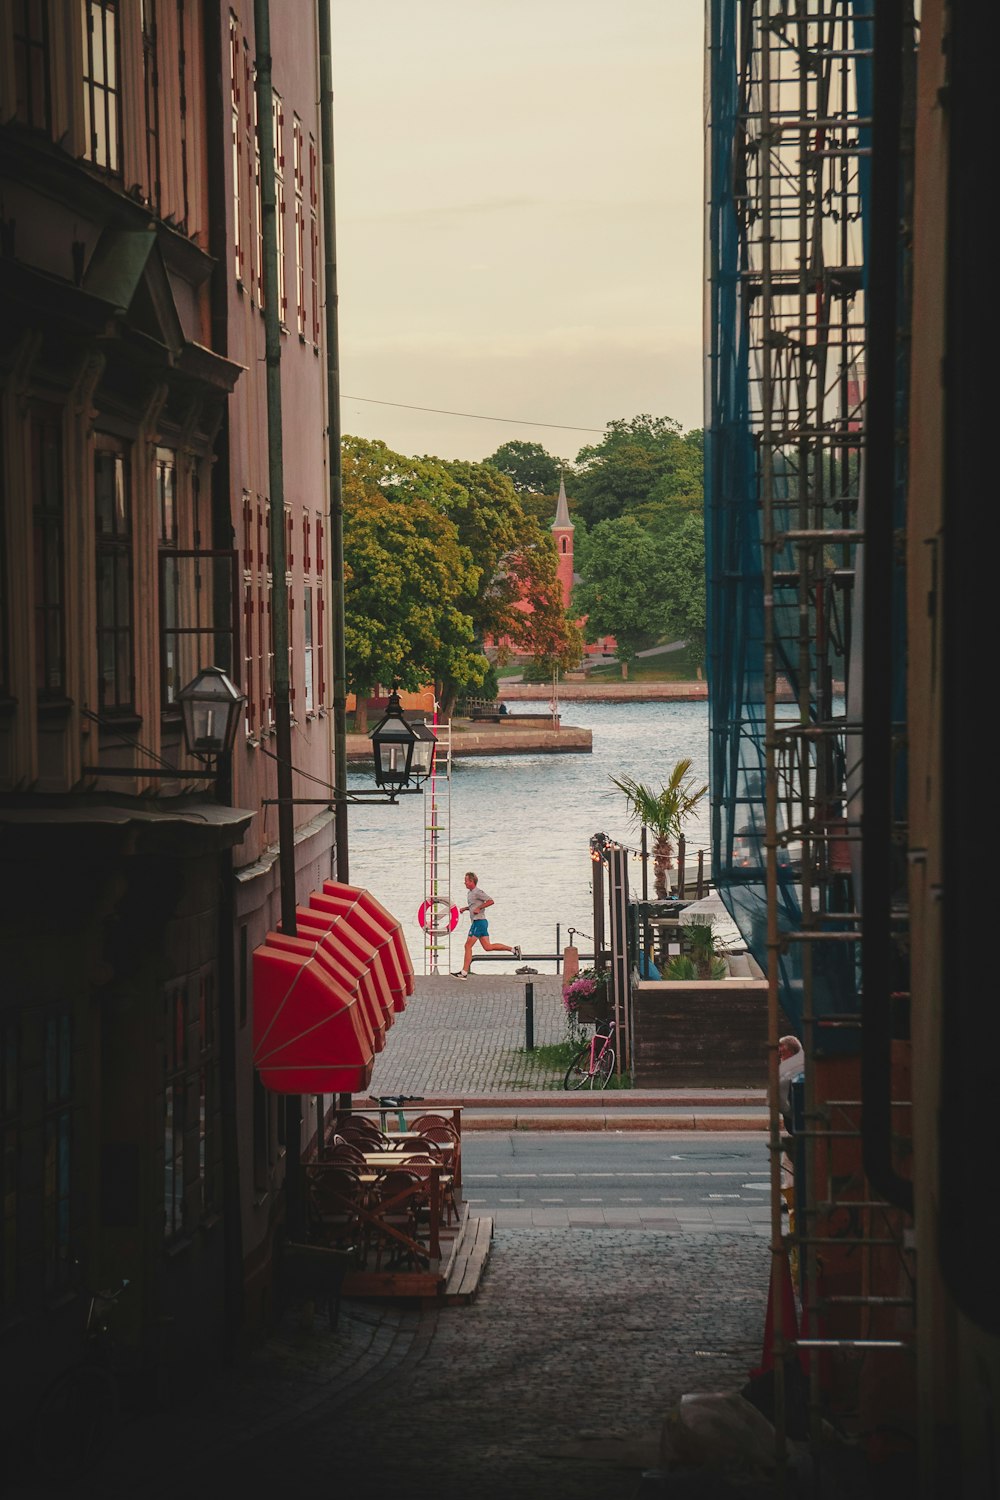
455 1278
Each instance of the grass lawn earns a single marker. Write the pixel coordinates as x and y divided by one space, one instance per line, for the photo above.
671 666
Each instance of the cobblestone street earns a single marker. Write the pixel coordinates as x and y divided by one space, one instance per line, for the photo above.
551 1383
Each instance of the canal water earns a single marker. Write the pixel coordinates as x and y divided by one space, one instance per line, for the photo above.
523 823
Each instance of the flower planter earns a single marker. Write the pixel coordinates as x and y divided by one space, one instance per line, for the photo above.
593 1010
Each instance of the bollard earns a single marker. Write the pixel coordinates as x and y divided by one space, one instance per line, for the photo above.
529 1017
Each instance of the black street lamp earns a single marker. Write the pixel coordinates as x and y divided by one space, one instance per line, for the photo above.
210 709
403 751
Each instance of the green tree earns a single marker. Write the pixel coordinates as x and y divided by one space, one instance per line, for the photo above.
517 562
664 813
407 574
622 593
527 466
645 459
683 572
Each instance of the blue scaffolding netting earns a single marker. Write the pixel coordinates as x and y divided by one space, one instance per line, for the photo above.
736 617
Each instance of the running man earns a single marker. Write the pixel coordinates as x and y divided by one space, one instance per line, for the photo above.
476 905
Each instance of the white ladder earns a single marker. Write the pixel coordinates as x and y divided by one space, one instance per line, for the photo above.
437 852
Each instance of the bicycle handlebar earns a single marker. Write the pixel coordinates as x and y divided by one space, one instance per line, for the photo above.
393 1101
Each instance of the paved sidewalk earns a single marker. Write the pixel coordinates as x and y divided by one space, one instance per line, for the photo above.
462 1041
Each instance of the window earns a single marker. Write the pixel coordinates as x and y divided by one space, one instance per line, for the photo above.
252 169
100 84
236 142
33 101
278 121
174 1110
207 1063
182 101
197 600
151 92
191 1127
298 169
166 495
314 237
307 623
249 660
10 1060
113 504
57 1141
48 539
320 662
258 203
4 626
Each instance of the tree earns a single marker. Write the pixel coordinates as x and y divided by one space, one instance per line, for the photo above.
684 580
623 590
645 459
664 814
407 574
517 563
527 466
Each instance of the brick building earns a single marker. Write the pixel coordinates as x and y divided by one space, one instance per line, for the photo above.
137 1141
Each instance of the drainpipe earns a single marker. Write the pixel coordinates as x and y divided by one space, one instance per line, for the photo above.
279 588
333 440
877 672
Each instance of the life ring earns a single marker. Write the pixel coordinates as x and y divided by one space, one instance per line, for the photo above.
437 915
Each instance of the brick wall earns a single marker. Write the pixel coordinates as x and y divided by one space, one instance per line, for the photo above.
700 1034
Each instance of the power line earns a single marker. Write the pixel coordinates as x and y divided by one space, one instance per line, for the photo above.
476 416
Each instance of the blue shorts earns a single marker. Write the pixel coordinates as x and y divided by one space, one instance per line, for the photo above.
479 928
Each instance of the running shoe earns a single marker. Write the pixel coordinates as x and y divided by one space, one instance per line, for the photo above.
460 974
517 950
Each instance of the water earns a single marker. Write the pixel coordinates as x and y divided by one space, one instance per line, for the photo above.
524 823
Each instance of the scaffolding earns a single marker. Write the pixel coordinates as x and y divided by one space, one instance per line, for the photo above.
437 911
790 88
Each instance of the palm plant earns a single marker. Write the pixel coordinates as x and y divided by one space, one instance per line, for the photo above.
663 813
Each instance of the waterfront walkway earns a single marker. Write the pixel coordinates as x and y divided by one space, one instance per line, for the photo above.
553 1381
462 1041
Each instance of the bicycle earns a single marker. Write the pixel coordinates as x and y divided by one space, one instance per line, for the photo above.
77 1413
388 1102
595 1061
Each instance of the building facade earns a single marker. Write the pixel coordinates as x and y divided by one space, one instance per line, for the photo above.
134 552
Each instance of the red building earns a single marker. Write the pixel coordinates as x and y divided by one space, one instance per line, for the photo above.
137 1139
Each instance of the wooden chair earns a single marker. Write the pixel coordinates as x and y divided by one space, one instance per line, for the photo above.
435 1127
364 1135
346 1154
395 1219
423 1162
335 1198
443 1132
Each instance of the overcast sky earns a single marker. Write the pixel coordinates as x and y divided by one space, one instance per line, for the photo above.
519 217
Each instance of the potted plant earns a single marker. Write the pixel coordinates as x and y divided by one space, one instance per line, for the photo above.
664 812
587 997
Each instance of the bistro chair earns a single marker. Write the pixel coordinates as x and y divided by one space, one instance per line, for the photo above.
335 1198
394 1217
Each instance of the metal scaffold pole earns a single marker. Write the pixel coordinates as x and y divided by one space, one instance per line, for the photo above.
438 914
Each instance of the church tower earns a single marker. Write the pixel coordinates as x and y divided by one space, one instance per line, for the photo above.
562 531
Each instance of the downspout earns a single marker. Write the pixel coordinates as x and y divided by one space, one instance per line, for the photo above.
879 543
279 588
333 440
222 535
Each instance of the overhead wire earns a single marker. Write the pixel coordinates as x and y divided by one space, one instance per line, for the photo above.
475 416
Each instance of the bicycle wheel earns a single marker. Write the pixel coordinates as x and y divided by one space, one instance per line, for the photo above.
604 1068
578 1072
74 1422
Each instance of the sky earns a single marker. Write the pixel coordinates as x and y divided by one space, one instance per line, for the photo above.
519 209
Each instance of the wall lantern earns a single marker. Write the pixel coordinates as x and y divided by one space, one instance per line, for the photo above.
423 752
210 706
393 741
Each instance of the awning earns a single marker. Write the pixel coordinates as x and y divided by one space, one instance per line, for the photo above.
324 999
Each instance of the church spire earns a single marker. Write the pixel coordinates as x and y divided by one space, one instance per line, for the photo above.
562 521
